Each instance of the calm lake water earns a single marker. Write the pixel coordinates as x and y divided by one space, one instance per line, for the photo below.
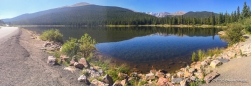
144 48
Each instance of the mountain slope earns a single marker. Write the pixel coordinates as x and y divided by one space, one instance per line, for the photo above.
202 14
83 15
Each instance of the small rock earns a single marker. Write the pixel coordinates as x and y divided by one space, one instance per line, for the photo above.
224 60
95 82
122 75
209 77
176 80
51 60
150 76
107 79
47 44
84 79
160 73
204 63
191 70
168 75
124 82
193 78
162 82
70 68
117 83
134 74
153 71
215 63
183 83
84 62
197 66
79 66
64 58
187 74
180 74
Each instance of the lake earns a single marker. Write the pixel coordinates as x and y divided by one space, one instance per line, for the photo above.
145 48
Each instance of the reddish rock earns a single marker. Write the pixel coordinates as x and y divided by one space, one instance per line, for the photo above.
83 62
162 82
209 77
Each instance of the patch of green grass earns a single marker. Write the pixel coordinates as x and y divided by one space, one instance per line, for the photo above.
195 83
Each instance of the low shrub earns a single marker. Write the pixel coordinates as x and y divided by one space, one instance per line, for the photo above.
234 33
52 35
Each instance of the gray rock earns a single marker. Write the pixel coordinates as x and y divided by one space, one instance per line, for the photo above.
215 63
108 80
223 60
93 73
150 76
84 79
177 80
209 77
51 60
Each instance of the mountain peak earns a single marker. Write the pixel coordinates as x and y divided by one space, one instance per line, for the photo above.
80 4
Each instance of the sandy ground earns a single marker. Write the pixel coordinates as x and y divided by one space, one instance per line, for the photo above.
236 72
23 64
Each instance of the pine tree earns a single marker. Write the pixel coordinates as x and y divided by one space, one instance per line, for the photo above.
212 19
245 11
238 12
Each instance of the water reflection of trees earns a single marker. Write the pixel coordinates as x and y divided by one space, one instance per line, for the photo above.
115 34
119 34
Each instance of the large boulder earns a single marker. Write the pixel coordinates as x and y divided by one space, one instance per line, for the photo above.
209 77
246 48
150 76
108 80
215 63
51 60
95 82
84 62
84 79
162 82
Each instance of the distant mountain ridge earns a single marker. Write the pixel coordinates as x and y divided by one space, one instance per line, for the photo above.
82 14
164 14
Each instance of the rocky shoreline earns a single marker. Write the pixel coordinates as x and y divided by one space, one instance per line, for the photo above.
195 72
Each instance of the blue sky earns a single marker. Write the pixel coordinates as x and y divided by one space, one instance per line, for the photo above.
12 8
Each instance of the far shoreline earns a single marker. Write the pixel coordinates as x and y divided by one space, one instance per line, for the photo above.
160 25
